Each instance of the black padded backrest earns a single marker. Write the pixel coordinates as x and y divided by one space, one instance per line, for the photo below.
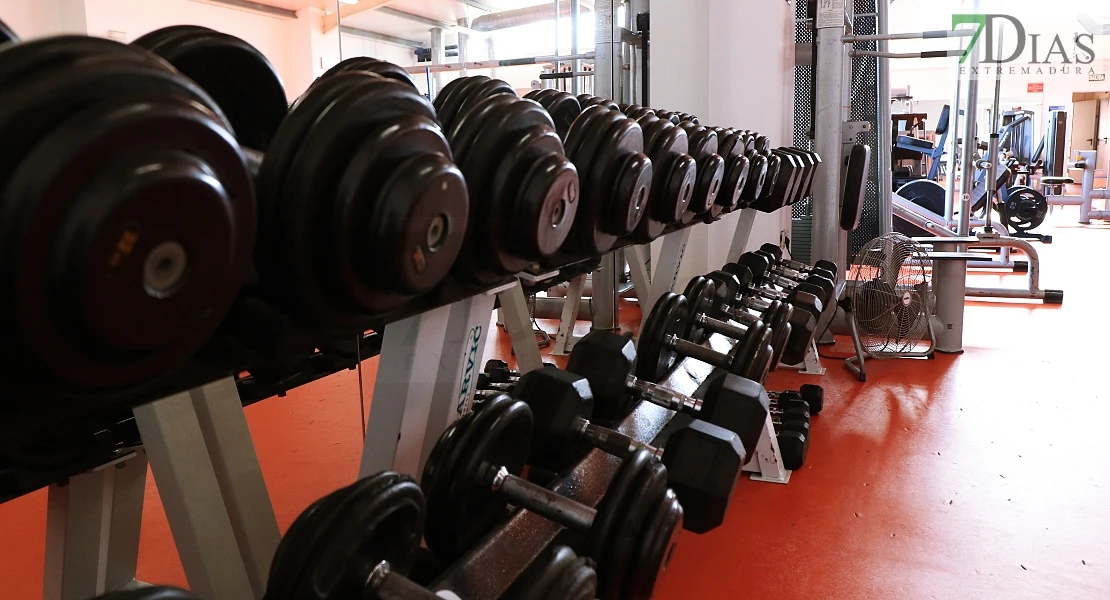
942 122
855 186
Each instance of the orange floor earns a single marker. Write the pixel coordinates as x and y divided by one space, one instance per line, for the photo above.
985 475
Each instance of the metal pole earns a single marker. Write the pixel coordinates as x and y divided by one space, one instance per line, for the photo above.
953 147
439 56
992 166
829 119
886 211
606 64
557 63
918 35
967 169
493 64
464 51
576 65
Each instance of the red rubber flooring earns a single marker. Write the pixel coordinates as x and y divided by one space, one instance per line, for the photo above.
985 475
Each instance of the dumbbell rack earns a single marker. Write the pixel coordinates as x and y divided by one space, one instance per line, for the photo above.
199 449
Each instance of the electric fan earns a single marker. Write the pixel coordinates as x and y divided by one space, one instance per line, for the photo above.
890 302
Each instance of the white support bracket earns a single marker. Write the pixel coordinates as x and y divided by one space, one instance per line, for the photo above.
211 484
767 465
666 272
92 530
564 340
638 269
518 322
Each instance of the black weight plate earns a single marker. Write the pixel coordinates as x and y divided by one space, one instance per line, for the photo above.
467 127
535 185
745 351
654 553
150 593
621 493
237 76
699 295
764 358
486 89
289 559
563 108
372 65
444 462
615 216
926 194
579 132
451 98
560 575
757 179
633 189
777 316
499 437
669 317
377 519
1025 209
154 38
732 188
632 530
711 173
416 222
310 194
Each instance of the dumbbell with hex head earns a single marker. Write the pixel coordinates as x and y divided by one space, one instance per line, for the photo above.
662 344
709 304
472 477
806 297
804 313
777 269
703 460
606 360
820 286
813 395
776 251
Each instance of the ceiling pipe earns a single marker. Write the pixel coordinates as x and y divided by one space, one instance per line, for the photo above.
521 16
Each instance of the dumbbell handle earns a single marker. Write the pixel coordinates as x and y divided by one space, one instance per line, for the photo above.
542 501
696 352
610 441
384 584
740 315
663 396
728 330
785 271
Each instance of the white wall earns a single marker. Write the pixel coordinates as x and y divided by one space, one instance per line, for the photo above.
731 64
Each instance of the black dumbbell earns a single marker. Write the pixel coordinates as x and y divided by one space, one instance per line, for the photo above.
703 460
777 268
793 438
822 287
804 314
607 360
804 296
557 574
151 593
813 395
706 298
776 251
472 477
662 343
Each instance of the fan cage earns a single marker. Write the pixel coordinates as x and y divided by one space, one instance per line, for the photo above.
891 296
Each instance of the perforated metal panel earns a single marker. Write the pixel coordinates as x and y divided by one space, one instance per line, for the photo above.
865 107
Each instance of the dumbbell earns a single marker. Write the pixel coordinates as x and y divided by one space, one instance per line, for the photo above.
673 181
472 477
703 460
792 431
607 361
776 251
357 185
805 310
804 296
706 299
129 217
762 273
608 150
525 189
711 173
661 344
750 333
813 395
558 573
776 268
150 593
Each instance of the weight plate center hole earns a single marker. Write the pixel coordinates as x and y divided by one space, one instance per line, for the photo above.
437 234
164 269
559 213
641 196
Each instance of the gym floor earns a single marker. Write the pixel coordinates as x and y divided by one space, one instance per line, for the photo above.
983 475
